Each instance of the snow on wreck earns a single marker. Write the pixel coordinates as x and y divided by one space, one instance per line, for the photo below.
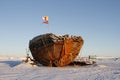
51 50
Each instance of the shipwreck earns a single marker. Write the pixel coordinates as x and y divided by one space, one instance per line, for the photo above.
52 50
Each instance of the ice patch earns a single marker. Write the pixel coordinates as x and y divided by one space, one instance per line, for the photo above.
102 66
116 73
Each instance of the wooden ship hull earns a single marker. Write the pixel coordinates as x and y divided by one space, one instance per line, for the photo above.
51 50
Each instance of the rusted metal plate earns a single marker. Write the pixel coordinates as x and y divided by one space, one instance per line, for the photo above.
52 50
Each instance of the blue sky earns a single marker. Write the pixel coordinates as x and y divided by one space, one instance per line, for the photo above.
97 21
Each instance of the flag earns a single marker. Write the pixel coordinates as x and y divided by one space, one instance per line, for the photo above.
45 18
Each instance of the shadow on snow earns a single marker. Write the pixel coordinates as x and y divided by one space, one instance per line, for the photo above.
11 63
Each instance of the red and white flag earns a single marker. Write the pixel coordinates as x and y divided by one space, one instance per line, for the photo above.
45 18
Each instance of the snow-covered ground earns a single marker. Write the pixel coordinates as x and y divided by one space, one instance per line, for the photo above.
13 69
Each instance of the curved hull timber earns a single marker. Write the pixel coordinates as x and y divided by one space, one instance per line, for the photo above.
51 50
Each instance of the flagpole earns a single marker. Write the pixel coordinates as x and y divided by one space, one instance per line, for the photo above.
48 28
45 18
